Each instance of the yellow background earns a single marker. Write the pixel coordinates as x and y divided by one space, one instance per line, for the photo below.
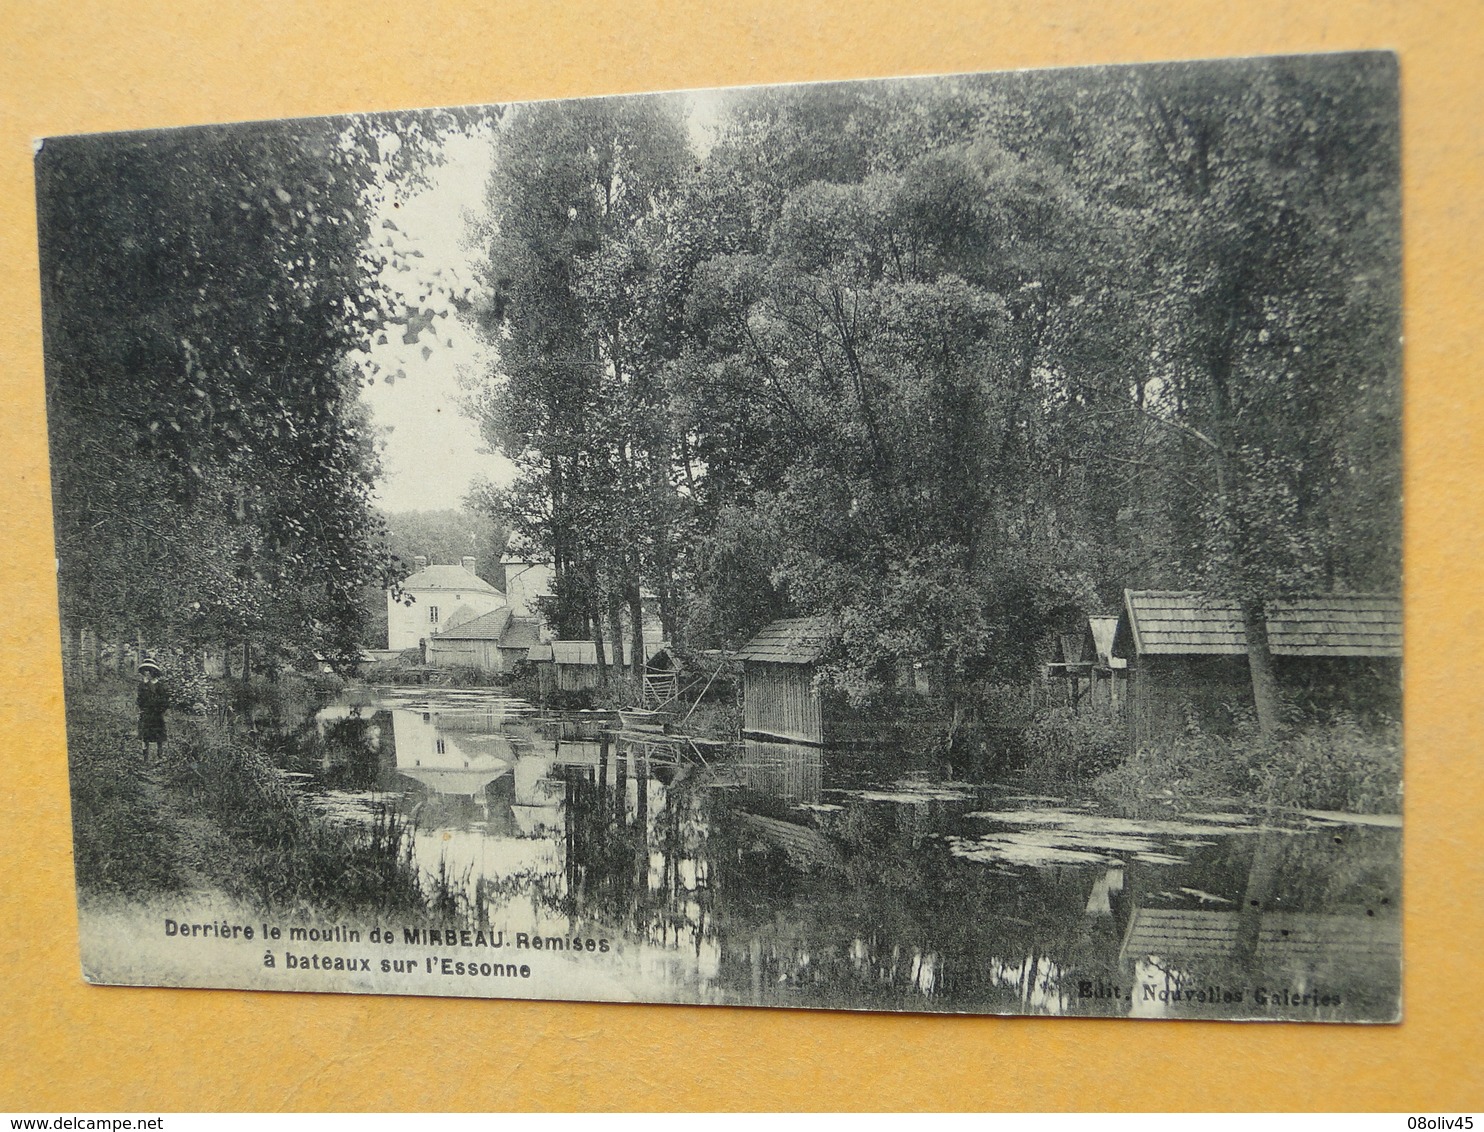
70 67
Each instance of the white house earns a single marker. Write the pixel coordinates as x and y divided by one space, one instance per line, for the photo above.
432 596
526 579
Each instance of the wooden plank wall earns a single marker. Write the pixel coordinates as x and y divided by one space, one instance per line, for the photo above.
576 677
484 655
780 700
1162 691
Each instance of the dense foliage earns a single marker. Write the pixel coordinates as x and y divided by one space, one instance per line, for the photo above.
953 361
212 464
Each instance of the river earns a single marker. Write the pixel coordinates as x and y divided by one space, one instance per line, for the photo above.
783 875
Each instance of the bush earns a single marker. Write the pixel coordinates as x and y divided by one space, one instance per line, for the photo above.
712 721
324 685
1337 765
472 676
190 691
525 684
1200 764
279 852
381 672
1334 766
1068 745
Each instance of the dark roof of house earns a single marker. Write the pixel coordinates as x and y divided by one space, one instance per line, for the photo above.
791 640
1189 623
447 578
485 627
1336 625
521 633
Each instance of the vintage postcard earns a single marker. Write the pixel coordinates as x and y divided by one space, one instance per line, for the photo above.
915 545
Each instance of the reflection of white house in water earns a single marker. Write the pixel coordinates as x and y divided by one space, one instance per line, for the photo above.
537 808
448 762
461 763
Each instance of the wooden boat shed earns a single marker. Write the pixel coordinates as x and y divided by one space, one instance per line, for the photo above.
1187 652
576 665
493 642
565 666
780 699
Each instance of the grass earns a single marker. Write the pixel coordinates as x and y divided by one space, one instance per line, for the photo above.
216 814
1337 765
121 841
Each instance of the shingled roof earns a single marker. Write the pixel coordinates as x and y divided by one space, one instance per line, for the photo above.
790 640
485 627
521 633
1336 625
1354 938
1191 623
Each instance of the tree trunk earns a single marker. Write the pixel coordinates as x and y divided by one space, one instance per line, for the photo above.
615 629
636 619
602 655
1223 426
1260 663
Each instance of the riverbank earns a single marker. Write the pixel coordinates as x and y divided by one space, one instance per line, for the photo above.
215 816
1336 766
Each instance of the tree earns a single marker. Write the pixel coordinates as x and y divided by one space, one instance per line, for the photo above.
888 384
574 400
212 466
1269 194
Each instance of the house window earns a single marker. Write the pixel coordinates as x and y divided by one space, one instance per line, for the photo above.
433 614
441 749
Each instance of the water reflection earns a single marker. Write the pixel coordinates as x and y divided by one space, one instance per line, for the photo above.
773 873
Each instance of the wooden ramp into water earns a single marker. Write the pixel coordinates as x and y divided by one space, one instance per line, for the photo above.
804 845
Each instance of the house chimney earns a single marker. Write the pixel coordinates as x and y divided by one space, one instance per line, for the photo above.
469 562
420 561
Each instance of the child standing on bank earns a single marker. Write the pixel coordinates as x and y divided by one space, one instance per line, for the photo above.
153 700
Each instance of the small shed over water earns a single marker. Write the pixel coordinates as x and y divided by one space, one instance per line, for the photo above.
779 697
564 666
1187 650
576 665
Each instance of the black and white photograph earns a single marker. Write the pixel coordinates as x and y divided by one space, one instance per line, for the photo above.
923 544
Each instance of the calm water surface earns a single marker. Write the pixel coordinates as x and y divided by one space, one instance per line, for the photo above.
775 874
